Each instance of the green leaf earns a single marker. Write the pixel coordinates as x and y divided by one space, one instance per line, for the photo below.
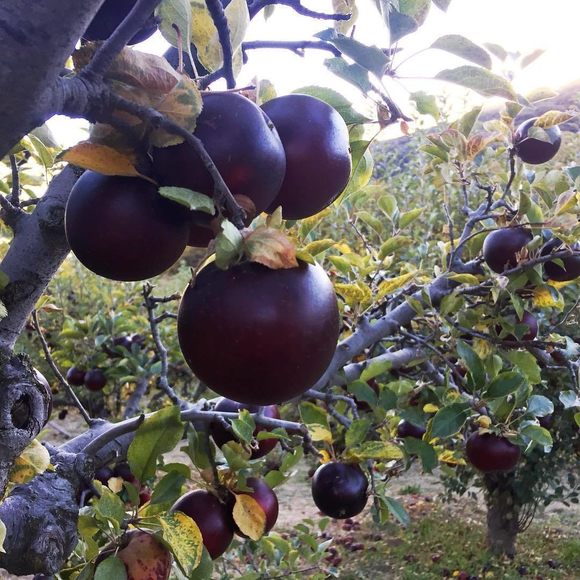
540 406
337 101
370 58
192 200
388 204
449 420
502 408
464 48
228 245
496 50
526 363
357 432
426 104
478 79
424 451
473 363
409 16
442 4
355 74
504 384
111 567
363 392
311 414
569 399
466 123
409 217
397 509
538 435
387 398
362 168
204 569
158 434
168 490
577 418
375 368
244 427
274 478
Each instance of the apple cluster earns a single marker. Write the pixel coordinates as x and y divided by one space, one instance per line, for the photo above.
93 379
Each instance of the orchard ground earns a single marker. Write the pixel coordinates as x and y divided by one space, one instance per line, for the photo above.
443 539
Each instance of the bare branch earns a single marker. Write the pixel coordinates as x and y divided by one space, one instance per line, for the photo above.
297 6
297 46
218 16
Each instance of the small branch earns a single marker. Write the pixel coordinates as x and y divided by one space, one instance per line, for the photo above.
223 195
106 54
151 304
15 195
296 5
132 406
297 47
512 162
330 397
218 16
88 420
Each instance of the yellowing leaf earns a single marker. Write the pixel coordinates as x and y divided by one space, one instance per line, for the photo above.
547 297
392 284
379 450
205 37
430 408
325 456
484 421
249 516
354 294
568 201
465 279
450 457
551 118
35 459
115 484
482 347
270 247
102 159
184 537
318 246
182 106
319 433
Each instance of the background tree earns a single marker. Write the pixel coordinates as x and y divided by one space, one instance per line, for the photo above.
437 330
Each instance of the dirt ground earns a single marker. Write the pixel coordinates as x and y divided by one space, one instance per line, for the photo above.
296 503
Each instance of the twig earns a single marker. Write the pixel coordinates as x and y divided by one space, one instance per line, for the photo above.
106 54
568 314
512 162
220 21
223 195
15 195
296 5
150 305
297 46
88 420
329 397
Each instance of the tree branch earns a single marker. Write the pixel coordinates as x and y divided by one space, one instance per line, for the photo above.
220 21
297 46
297 6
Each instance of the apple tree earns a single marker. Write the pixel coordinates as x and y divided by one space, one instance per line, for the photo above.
429 315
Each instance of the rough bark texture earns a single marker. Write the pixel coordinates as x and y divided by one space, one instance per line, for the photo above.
36 40
41 517
502 514
35 254
24 408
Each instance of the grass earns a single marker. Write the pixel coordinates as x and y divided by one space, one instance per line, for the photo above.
451 543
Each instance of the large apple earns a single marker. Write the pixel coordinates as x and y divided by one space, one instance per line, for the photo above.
501 246
491 453
257 335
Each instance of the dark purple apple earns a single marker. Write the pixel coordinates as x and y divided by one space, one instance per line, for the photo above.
258 335
212 517
529 320
244 146
533 150
95 380
339 489
75 376
408 429
122 229
501 246
221 435
318 161
110 15
491 453
554 270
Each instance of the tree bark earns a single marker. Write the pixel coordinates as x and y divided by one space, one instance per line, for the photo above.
502 514
36 40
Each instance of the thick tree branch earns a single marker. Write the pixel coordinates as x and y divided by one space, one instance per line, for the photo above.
218 16
36 41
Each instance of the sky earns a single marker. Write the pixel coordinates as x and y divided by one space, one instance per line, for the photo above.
517 25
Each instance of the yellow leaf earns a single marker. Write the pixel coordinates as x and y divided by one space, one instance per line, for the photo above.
448 456
484 421
392 284
319 246
185 539
115 484
465 279
325 456
551 118
249 516
182 106
354 294
430 408
2 536
547 297
102 159
482 347
205 36
319 433
35 459
270 247
569 201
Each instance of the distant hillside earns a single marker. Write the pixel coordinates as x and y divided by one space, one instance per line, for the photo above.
397 153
